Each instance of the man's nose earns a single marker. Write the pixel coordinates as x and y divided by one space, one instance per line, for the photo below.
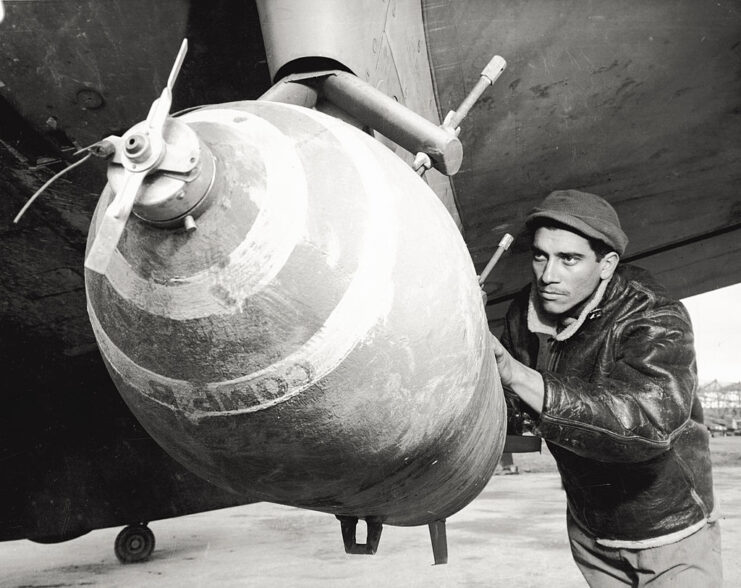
550 272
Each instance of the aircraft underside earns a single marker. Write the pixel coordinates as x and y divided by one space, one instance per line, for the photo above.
639 105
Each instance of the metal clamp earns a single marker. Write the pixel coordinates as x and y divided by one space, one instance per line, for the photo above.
349 525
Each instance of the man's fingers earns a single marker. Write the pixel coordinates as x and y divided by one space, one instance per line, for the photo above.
499 349
503 359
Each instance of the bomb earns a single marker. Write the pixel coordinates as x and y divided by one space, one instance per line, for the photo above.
292 314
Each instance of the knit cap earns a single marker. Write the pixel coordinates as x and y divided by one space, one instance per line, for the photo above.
586 213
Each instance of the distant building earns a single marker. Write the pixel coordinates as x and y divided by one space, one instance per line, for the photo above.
721 397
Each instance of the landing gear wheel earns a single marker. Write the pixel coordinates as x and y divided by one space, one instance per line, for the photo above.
134 543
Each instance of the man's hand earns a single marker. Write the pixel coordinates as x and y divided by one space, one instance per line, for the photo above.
522 380
504 362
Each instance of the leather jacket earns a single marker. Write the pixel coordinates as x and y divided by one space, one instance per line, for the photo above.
621 415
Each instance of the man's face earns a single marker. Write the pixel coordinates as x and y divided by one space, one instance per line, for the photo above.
565 269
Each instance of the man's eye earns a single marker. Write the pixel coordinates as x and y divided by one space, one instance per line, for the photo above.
538 256
568 260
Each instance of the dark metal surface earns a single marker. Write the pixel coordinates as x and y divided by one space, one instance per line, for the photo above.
636 102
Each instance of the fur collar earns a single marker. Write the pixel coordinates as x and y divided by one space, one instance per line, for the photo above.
539 322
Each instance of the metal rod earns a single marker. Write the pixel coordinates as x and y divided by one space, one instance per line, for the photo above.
489 75
501 248
394 120
48 183
439 539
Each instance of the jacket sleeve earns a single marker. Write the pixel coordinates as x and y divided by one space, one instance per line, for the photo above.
636 403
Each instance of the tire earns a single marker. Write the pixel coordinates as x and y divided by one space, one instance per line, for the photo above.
134 543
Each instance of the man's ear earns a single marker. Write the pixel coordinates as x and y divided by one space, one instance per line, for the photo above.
609 264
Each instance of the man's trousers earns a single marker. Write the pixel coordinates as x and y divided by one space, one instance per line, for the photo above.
692 562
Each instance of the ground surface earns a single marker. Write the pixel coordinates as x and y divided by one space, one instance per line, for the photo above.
513 534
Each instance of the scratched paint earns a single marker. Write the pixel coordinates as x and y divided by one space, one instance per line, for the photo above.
366 301
387 405
257 259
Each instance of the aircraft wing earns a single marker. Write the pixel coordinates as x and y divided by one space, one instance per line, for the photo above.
638 104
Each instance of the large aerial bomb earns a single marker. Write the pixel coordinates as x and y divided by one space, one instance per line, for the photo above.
292 314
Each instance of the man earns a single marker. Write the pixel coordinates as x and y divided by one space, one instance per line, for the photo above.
603 361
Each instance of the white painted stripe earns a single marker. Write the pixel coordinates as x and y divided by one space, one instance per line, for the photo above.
366 303
253 264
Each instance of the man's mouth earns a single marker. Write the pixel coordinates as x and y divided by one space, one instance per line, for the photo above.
550 294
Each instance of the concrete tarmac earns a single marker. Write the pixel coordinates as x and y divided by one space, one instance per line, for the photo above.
513 534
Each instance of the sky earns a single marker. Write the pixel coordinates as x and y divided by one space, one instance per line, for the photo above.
716 321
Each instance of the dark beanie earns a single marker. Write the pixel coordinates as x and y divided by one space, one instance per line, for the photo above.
586 213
